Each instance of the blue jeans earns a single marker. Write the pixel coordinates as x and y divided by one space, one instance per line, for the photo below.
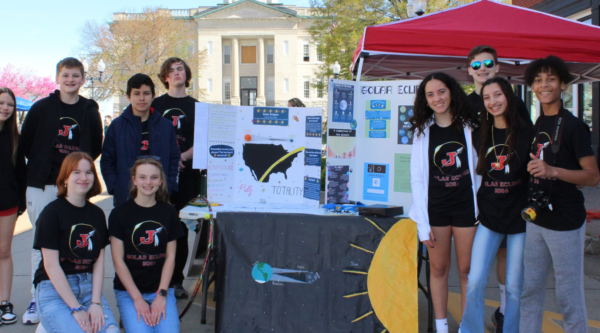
54 313
129 315
485 247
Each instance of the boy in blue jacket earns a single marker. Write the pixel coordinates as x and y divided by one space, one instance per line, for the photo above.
139 131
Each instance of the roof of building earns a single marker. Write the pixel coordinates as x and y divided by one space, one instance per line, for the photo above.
202 12
278 7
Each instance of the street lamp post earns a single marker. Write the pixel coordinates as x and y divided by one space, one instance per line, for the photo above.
416 8
336 69
596 90
101 69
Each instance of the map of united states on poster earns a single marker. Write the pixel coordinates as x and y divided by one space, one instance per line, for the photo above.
263 154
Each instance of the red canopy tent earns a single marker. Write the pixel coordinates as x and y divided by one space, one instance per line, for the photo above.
413 48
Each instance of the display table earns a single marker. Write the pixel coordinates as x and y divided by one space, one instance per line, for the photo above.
194 219
192 212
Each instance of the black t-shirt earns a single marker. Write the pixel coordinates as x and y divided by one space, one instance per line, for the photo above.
181 113
477 103
68 138
77 233
568 210
503 191
145 233
145 146
450 191
12 177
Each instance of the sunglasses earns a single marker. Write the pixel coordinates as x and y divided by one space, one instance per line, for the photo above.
487 63
141 157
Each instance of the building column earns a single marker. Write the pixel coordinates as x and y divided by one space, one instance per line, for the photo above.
235 72
260 99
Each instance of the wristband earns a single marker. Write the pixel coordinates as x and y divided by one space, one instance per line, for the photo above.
80 308
97 304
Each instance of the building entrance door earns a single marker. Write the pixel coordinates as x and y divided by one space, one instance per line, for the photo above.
248 90
248 97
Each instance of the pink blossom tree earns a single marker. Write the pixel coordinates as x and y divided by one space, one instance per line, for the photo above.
25 84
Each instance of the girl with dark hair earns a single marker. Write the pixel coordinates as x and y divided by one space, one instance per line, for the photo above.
561 158
503 150
444 183
71 233
295 103
12 197
144 232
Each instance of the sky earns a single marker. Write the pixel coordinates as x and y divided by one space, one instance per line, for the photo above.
36 34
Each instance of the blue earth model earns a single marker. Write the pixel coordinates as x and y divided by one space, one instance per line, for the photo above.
262 272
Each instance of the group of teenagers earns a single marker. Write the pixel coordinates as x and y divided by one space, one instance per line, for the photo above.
146 163
477 163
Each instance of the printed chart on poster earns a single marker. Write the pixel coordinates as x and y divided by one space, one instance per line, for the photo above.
368 155
261 154
342 109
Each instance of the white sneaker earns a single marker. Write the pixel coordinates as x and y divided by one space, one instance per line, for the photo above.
40 329
30 317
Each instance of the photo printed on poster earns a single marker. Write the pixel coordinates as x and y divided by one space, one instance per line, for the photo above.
405 135
338 183
376 182
343 103
378 114
341 143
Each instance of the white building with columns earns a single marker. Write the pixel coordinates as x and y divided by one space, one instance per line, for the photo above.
258 53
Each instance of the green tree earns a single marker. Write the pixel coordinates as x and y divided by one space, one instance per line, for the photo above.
339 24
437 5
139 43
468 88
338 28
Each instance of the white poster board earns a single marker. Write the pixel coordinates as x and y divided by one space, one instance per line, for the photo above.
369 142
260 154
200 160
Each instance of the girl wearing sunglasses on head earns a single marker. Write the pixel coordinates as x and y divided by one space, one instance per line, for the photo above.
444 182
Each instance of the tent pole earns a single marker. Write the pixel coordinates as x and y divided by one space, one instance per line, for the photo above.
360 65
596 91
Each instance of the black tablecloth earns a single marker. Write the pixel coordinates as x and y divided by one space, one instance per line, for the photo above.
313 301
